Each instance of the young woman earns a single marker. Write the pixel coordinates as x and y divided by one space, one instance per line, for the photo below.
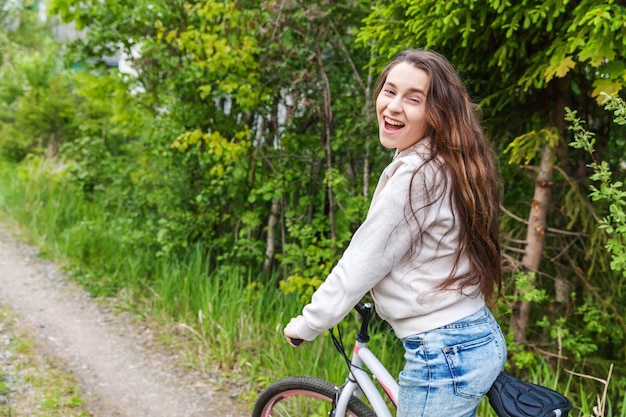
429 249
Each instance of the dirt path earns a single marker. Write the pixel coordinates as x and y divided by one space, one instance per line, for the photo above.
115 360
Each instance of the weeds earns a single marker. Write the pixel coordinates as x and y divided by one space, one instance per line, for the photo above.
31 384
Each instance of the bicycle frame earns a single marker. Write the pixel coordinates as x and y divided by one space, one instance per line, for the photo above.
359 379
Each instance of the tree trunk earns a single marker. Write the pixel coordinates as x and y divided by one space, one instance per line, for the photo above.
535 237
52 147
368 139
271 227
328 120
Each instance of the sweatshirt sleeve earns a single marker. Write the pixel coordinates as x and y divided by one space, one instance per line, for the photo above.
384 238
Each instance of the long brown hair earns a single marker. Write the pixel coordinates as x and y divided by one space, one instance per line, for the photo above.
458 139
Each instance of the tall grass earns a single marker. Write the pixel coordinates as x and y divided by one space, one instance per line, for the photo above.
231 317
224 318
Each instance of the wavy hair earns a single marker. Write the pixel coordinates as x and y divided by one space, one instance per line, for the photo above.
453 124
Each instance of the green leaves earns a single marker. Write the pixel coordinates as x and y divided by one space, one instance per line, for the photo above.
217 50
527 290
583 138
609 190
501 44
222 150
526 147
559 66
37 104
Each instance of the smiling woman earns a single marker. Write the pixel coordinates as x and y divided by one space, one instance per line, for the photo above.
428 251
401 107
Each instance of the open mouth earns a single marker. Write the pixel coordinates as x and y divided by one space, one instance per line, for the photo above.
391 124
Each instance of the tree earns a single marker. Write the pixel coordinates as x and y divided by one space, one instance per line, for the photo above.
36 102
250 93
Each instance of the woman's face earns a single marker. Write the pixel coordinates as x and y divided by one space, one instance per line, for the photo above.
401 106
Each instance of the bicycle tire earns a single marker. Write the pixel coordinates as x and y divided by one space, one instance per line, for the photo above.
303 396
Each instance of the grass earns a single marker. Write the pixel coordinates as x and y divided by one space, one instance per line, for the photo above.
30 383
223 318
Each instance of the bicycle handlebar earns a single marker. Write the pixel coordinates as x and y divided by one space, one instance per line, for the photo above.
296 342
365 311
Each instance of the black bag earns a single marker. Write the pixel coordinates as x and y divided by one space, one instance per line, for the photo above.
510 397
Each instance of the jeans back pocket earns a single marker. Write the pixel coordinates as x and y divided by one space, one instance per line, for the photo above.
474 365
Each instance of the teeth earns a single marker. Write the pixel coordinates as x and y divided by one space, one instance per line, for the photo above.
393 122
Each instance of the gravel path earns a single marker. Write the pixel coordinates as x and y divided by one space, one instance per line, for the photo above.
120 369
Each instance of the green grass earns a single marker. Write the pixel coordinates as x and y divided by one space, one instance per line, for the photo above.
223 318
32 384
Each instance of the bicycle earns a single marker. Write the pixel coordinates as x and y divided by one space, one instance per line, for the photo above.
309 396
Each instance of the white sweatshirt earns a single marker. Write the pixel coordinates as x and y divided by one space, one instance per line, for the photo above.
387 257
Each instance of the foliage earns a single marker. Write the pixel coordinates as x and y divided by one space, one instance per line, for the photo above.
610 190
36 106
226 137
556 38
9 13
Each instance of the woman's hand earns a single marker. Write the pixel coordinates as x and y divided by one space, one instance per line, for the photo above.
290 332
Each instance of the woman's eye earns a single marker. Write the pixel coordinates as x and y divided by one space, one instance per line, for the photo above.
390 92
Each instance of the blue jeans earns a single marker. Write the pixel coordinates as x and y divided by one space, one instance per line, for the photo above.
449 369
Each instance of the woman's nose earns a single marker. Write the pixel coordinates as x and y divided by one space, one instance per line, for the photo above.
395 105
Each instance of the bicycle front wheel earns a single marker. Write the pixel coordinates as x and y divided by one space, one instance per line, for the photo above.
304 396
